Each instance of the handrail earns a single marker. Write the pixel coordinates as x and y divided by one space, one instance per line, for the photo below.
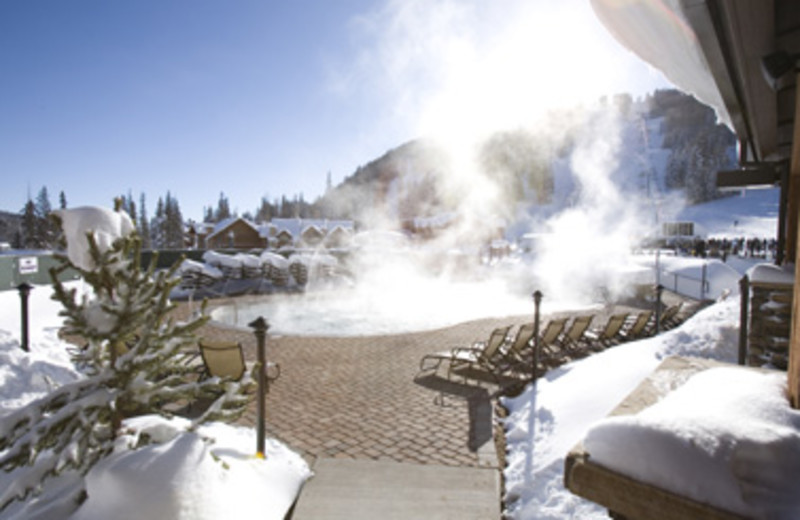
703 282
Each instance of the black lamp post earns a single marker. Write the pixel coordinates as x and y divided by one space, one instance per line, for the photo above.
260 327
537 301
24 291
659 290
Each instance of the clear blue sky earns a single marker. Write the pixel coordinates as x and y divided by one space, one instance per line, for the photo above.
258 98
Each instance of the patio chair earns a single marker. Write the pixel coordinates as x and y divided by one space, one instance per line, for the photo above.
225 359
639 326
477 354
514 356
669 316
574 339
609 334
550 352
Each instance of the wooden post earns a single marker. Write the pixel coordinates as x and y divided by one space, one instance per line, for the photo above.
793 212
793 204
744 314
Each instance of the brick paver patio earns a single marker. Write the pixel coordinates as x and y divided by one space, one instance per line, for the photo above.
363 397
360 397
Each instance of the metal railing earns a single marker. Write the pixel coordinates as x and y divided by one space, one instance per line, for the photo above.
697 287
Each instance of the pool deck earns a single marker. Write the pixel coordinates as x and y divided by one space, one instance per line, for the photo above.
361 397
365 419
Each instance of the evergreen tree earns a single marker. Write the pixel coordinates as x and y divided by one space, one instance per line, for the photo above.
144 225
223 208
130 207
133 366
62 200
157 225
45 230
29 226
265 211
173 223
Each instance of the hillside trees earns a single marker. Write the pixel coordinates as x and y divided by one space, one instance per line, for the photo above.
37 230
166 227
699 145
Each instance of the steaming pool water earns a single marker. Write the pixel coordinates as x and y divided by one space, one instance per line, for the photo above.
361 312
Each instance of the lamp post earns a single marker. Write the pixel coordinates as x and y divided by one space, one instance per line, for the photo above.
659 290
260 327
24 291
537 301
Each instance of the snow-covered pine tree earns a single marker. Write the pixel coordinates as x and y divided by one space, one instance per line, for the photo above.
132 360
29 226
144 225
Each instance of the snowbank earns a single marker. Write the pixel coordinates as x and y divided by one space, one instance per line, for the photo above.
200 268
209 474
547 420
727 437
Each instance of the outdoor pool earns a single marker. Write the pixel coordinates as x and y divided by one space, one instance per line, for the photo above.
360 312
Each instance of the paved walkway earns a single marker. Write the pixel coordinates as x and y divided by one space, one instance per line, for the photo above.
360 398
366 490
360 413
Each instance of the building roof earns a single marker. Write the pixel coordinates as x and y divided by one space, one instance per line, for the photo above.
224 225
714 49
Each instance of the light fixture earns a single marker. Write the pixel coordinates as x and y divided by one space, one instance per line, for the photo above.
776 65
750 175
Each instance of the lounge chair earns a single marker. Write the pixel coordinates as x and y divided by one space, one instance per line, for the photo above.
609 334
574 340
513 357
225 359
482 354
668 317
550 352
638 328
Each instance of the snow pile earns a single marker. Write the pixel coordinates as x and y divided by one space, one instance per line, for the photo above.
25 376
199 268
209 474
548 420
104 224
274 260
772 274
222 260
729 429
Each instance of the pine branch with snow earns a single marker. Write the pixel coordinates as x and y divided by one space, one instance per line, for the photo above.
135 359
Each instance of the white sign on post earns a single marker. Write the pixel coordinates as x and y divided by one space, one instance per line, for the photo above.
28 265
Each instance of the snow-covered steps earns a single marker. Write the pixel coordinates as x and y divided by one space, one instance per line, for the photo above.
368 489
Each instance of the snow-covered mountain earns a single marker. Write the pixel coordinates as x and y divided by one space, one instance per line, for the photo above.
655 151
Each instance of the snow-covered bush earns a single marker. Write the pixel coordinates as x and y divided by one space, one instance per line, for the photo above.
134 361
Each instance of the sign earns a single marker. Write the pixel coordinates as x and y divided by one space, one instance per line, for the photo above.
28 265
677 229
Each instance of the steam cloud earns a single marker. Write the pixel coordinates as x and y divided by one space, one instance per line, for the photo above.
458 73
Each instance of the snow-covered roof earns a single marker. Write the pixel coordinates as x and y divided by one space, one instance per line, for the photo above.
295 226
224 224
